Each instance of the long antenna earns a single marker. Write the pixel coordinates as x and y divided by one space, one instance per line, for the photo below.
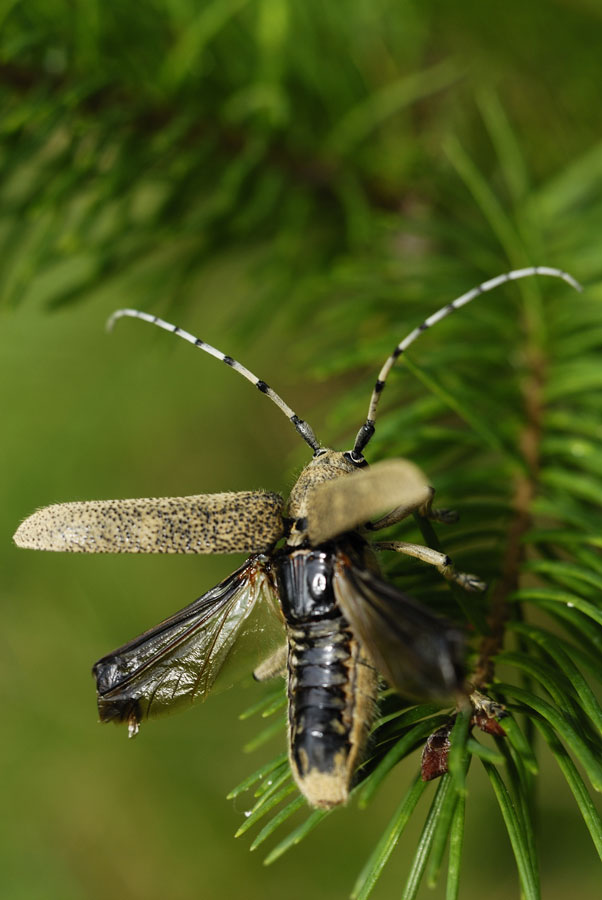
302 427
367 429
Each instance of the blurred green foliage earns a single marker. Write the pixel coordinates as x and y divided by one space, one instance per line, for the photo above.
300 183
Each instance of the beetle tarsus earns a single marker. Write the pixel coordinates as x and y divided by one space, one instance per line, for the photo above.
444 516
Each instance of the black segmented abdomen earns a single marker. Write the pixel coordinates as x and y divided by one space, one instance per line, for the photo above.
331 685
319 660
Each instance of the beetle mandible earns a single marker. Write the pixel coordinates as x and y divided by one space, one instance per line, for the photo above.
312 569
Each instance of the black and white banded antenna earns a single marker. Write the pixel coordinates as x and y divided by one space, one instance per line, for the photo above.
367 429
302 427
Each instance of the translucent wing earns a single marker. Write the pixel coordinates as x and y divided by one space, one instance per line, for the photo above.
246 521
417 652
178 661
342 504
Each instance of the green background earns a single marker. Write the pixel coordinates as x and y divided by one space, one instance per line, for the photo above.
88 814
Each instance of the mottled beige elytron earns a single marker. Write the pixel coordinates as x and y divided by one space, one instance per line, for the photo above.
233 522
343 504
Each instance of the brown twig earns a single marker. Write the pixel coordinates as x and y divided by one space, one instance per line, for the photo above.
524 492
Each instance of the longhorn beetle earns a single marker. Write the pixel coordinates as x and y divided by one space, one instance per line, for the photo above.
311 568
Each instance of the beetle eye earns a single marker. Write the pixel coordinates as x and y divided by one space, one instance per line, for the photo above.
320 452
356 458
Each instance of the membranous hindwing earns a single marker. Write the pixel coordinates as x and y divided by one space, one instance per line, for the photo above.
179 661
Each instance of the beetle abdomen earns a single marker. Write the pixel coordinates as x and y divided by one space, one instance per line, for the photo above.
332 697
331 685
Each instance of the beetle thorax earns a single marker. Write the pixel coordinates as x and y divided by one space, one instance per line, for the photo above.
326 466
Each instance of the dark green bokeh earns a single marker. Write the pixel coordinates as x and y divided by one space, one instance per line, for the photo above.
274 175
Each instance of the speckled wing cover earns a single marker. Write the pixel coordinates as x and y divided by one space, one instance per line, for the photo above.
245 521
344 503
178 661
418 653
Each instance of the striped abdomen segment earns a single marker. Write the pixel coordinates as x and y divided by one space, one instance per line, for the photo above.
332 696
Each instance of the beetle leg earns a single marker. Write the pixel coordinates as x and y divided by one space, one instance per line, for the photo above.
445 516
273 666
401 512
392 518
441 562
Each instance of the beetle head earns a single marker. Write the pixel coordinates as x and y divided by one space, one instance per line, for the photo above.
329 458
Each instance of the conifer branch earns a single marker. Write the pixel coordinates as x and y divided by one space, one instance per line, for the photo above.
320 172
525 489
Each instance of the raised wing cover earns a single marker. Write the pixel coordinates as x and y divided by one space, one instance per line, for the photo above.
342 504
246 521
